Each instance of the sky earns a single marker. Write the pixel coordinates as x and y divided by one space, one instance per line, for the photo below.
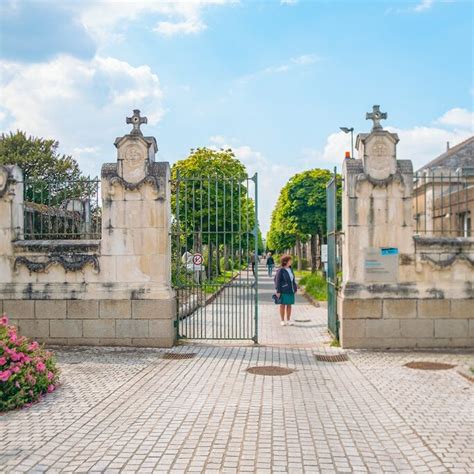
273 80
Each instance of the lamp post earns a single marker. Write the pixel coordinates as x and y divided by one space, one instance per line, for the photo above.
351 131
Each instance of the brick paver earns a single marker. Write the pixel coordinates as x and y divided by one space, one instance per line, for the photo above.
130 410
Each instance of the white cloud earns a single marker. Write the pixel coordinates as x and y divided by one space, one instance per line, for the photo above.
105 19
303 60
420 144
458 118
424 5
191 25
271 176
288 2
82 104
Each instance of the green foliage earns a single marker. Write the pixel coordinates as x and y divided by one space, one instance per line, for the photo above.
27 371
37 157
300 211
314 284
212 208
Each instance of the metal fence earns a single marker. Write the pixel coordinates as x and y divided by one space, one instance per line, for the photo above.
55 209
443 203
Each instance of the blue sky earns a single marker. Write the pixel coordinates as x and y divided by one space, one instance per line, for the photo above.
274 80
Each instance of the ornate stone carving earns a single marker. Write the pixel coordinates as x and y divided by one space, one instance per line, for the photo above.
73 263
157 183
136 120
448 261
376 116
132 153
395 177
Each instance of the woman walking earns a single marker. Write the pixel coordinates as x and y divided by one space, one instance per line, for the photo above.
285 285
270 264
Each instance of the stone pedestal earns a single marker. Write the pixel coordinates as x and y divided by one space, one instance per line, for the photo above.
377 235
113 291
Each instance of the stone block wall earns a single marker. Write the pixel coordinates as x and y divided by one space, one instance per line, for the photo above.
407 323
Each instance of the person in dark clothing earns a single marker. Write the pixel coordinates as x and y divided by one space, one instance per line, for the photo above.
270 264
285 286
253 259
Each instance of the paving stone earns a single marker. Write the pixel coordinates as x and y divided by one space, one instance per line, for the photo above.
130 410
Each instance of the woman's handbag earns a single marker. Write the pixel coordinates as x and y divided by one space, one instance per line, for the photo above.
276 299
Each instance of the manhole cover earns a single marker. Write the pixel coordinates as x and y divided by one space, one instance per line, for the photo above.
179 355
423 365
331 357
270 370
302 320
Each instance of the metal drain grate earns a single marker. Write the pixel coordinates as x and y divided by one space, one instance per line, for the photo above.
271 370
179 355
302 320
331 357
423 365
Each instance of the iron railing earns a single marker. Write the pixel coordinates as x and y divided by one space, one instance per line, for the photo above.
443 203
55 209
214 235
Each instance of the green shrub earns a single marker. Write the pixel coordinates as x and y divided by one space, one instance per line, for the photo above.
315 285
27 370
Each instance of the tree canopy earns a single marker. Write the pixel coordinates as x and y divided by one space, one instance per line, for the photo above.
212 205
300 212
37 157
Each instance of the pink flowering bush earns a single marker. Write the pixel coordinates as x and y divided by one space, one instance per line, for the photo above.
27 370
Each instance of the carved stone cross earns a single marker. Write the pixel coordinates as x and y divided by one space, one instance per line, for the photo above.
376 116
136 120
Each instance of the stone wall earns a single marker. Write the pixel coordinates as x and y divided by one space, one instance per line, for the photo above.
398 290
112 291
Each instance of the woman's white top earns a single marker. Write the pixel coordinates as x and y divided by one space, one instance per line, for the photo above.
290 272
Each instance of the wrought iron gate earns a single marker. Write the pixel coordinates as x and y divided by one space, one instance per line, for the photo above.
331 276
214 249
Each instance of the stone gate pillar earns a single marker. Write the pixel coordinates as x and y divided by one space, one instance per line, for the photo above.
377 234
136 245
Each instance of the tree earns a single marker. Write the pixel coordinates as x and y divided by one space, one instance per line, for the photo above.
50 180
37 157
301 211
212 207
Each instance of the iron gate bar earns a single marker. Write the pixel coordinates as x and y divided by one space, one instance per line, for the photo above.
331 224
231 311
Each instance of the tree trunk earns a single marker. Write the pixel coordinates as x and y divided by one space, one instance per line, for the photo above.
299 255
209 261
314 249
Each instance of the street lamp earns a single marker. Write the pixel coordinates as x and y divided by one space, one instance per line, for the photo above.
351 131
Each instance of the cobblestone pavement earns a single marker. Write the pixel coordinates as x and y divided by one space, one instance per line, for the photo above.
132 410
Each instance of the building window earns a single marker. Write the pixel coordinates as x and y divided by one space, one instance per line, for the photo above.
465 224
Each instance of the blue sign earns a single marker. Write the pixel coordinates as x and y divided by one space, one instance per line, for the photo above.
389 251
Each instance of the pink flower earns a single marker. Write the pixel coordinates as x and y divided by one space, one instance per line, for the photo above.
33 346
4 320
30 379
40 367
50 376
15 369
17 384
5 375
51 388
15 357
3 360
30 393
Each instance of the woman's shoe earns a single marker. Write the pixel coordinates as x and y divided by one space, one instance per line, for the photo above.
283 323
289 323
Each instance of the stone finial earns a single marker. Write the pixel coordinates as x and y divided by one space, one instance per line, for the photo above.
136 120
376 116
